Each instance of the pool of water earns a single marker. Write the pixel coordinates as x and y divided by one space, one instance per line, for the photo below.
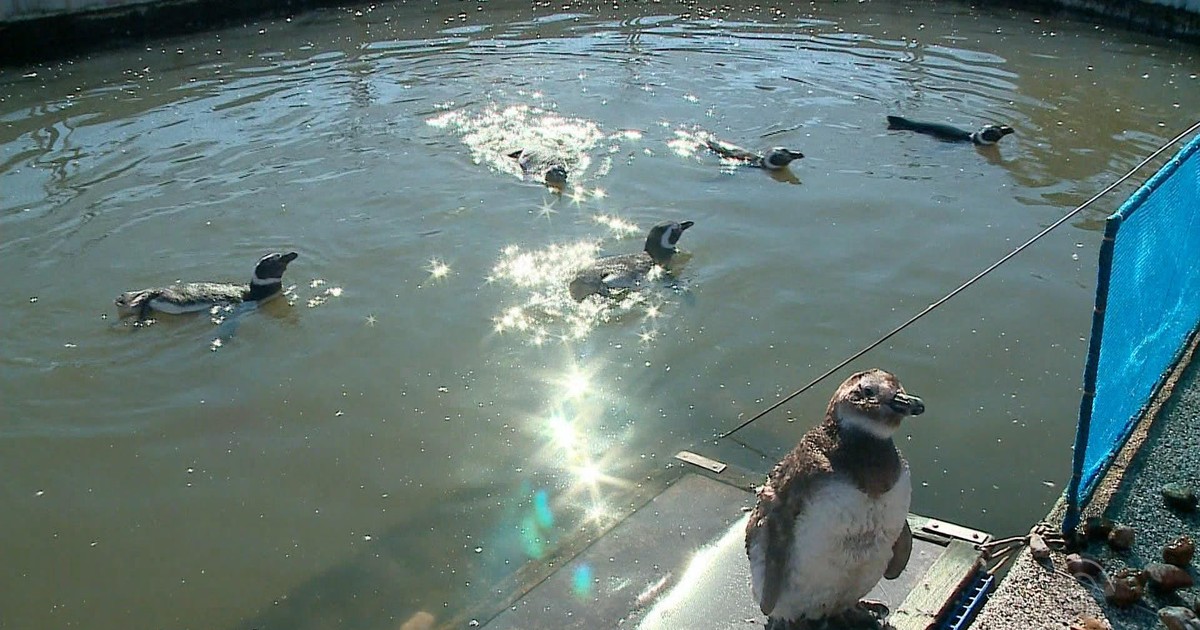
428 410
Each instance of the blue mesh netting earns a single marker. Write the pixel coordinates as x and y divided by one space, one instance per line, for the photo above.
1148 303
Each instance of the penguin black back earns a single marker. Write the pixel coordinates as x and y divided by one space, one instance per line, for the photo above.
266 283
616 274
987 135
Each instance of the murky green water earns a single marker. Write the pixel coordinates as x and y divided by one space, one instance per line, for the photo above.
431 411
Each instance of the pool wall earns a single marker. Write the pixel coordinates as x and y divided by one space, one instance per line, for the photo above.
34 30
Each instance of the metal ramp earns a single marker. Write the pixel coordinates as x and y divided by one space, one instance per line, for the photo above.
678 561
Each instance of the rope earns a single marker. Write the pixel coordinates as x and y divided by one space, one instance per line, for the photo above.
928 309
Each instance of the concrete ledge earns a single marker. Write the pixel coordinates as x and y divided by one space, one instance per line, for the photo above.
1176 19
86 25
39 30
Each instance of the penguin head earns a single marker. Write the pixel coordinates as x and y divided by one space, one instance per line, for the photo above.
991 134
660 243
130 302
873 402
555 177
779 157
270 268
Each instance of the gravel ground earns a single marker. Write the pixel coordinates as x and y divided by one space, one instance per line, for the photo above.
1033 596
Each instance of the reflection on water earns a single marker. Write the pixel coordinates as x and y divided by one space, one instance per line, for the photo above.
431 411
546 311
524 141
695 143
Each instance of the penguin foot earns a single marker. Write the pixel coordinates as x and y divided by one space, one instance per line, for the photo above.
875 608
866 615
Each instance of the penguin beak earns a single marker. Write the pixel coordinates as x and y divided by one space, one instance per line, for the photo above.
683 225
795 155
287 258
906 404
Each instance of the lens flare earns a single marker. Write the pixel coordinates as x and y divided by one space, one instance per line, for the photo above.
589 474
581 581
576 383
562 433
541 509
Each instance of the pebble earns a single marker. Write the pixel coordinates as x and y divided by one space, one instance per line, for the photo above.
1038 547
1167 577
1121 538
1090 623
1179 496
1178 618
1080 565
1180 551
1125 588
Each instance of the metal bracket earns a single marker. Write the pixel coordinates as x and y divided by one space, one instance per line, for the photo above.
957 532
701 461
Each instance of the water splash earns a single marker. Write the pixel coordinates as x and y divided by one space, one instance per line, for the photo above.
324 296
546 138
545 310
689 141
540 277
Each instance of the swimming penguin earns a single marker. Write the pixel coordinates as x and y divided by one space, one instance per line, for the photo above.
190 297
552 172
775 159
614 274
831 519
986 136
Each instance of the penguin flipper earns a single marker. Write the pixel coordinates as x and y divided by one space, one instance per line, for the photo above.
901 550
143 303
770 533
767 535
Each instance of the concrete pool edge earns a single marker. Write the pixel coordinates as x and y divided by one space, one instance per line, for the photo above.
677 560
53 36
1034 595
33 30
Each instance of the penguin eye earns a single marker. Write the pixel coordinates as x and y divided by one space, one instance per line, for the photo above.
869 392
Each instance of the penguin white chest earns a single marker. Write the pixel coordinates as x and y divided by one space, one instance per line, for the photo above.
842 544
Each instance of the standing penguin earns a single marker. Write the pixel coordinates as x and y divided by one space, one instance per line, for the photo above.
831 519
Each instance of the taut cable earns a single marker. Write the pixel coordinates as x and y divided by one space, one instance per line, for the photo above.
928 309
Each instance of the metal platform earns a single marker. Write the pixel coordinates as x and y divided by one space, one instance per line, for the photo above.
679 562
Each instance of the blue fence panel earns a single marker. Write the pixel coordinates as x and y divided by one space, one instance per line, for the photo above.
1147 305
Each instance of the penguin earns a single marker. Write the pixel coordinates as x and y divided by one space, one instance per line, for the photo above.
775 159
552 172
986 136
831 519
615 274
190 297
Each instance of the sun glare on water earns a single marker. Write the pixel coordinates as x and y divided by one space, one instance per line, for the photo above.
437 269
